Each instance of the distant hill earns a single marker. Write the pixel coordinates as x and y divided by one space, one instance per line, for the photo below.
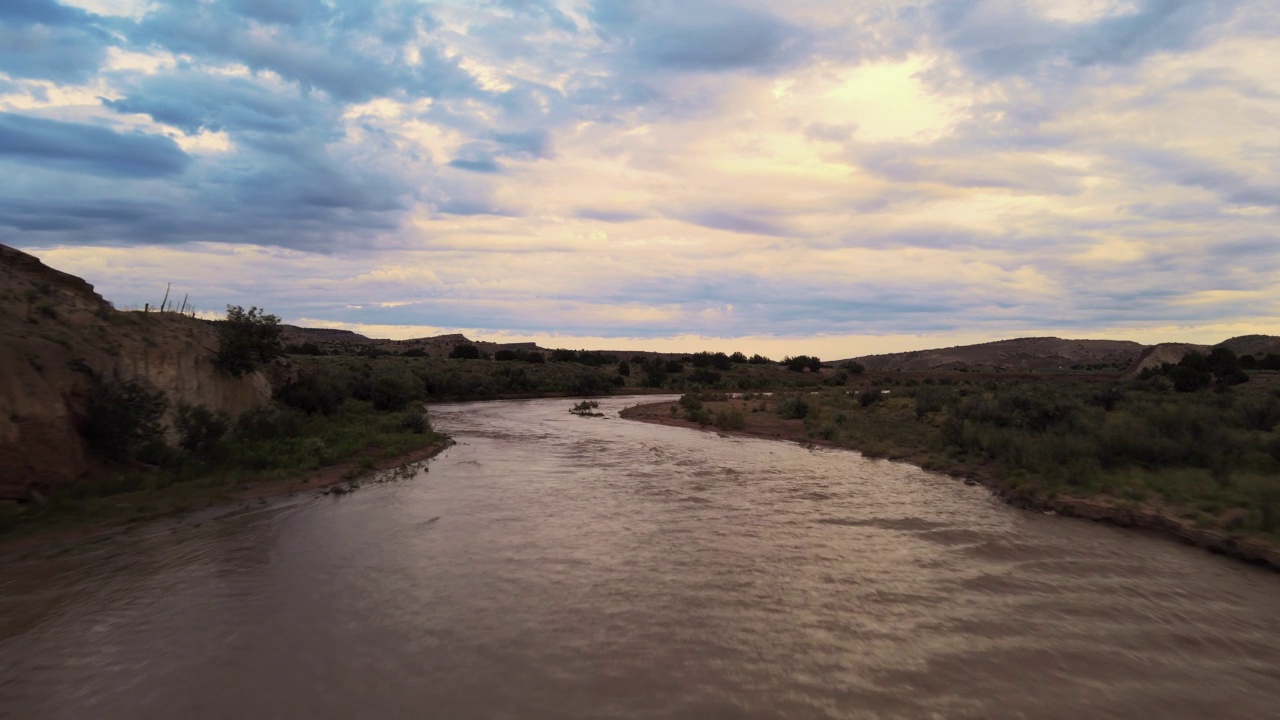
1050 353
1026 354
1252 344
1157 355
346 342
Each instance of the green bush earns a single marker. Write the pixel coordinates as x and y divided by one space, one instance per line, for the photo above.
793 407
870 396
586 408
729 419
392 392
313 394
200 429
702 416
248 339
465 351
414 420
123 417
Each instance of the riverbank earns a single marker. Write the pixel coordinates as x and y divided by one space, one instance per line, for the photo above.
759 421
201 500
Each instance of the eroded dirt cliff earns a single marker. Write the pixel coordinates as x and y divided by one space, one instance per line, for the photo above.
58 338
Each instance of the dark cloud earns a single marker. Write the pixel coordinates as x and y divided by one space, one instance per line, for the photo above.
88 148
288 12
610 216
698 36
31 214
307 168
966 163
480 165
1001 39
193 101
529 144
25 13
348 50
737 222
44 40
1156 164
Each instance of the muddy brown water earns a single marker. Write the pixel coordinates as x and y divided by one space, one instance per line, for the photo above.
551 566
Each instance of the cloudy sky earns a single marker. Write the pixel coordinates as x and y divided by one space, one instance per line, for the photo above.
828 177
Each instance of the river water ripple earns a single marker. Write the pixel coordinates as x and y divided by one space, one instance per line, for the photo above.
551 566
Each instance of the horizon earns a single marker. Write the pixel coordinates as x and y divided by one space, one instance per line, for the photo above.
810 177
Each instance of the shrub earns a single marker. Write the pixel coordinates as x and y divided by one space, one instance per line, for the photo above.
586 408
248 339
271 423
414 420
870 396
200 429
655 376
702 416
729 419
718 360
122 417
704 376
793 407
930 399
306 348
1189 378
465 351
392 392
313 395
591 383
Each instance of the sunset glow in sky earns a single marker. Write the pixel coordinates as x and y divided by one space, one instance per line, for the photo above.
825 177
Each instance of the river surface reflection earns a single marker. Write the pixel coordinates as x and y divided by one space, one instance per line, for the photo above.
551 566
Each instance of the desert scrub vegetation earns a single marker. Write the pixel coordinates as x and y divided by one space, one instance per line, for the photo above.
247 340
214 456
389 377
1211 455
155 452
723 415
586 408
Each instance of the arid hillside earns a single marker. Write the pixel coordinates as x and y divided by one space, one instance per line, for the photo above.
61 343
1024 354
345 342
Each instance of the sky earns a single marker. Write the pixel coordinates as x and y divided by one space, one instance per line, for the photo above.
824 177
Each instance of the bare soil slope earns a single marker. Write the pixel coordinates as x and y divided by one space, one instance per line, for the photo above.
58 338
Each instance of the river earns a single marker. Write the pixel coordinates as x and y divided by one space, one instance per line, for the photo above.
553 566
